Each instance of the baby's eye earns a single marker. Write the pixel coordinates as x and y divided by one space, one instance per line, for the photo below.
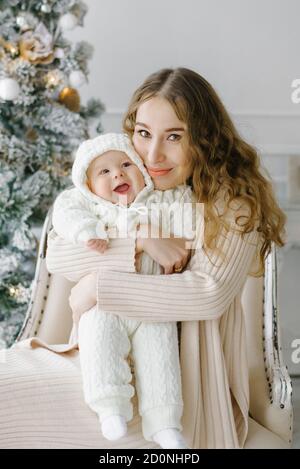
103 171
126 164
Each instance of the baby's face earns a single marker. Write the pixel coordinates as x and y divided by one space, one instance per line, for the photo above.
114 177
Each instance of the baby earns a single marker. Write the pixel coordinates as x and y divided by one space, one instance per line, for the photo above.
112 191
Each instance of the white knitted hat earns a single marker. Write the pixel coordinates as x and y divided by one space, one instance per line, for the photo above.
92 148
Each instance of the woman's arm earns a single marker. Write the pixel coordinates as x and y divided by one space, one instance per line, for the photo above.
76 261
173 252
204 292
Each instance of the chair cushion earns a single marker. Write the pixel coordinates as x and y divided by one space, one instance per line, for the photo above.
42 406
260 437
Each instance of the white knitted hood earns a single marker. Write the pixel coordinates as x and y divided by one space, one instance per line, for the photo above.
92 148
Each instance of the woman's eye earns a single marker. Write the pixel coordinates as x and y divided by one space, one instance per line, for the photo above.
175 139
141 134
103 171
178 137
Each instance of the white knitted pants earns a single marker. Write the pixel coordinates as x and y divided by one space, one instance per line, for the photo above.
105 341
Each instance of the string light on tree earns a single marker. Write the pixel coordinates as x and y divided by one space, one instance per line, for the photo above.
53 78
19 293
13 291
9 47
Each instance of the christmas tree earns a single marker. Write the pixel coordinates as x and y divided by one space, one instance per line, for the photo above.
41 124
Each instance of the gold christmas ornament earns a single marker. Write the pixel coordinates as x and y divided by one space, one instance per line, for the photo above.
69 97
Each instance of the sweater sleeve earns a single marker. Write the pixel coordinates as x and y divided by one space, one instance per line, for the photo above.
73 219
203 292
74 261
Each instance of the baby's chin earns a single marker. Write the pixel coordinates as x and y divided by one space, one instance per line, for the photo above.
126 199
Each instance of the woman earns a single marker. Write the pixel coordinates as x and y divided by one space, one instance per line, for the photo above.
183 133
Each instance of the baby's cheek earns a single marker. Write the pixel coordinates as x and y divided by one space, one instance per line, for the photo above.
137 180
142 181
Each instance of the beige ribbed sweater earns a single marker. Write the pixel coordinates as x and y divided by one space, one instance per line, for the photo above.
207 299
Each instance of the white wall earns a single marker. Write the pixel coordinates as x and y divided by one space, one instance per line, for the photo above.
248 49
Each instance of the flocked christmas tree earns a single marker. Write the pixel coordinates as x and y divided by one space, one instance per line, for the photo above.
41 123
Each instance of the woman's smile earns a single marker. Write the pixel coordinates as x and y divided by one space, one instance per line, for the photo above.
156 172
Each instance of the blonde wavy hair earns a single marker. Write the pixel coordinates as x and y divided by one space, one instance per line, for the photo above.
218 157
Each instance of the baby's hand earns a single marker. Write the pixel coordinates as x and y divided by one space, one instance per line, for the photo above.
99 245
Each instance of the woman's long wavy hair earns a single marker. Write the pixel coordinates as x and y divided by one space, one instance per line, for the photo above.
218 156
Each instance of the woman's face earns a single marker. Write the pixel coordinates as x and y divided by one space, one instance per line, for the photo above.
158 138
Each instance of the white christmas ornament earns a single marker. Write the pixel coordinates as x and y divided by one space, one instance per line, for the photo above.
77 78
9 89
68 22
59 53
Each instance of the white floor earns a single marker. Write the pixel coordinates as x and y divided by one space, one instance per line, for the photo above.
296 407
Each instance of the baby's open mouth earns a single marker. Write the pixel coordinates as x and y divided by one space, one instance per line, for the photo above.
122 188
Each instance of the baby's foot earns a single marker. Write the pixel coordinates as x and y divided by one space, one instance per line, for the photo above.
114 427
170 438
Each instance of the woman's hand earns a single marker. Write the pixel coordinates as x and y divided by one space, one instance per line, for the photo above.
83 296
98 245
170 253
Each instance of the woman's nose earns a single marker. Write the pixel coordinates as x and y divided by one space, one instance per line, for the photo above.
155 154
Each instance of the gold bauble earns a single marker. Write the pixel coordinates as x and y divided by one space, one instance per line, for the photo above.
69 97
